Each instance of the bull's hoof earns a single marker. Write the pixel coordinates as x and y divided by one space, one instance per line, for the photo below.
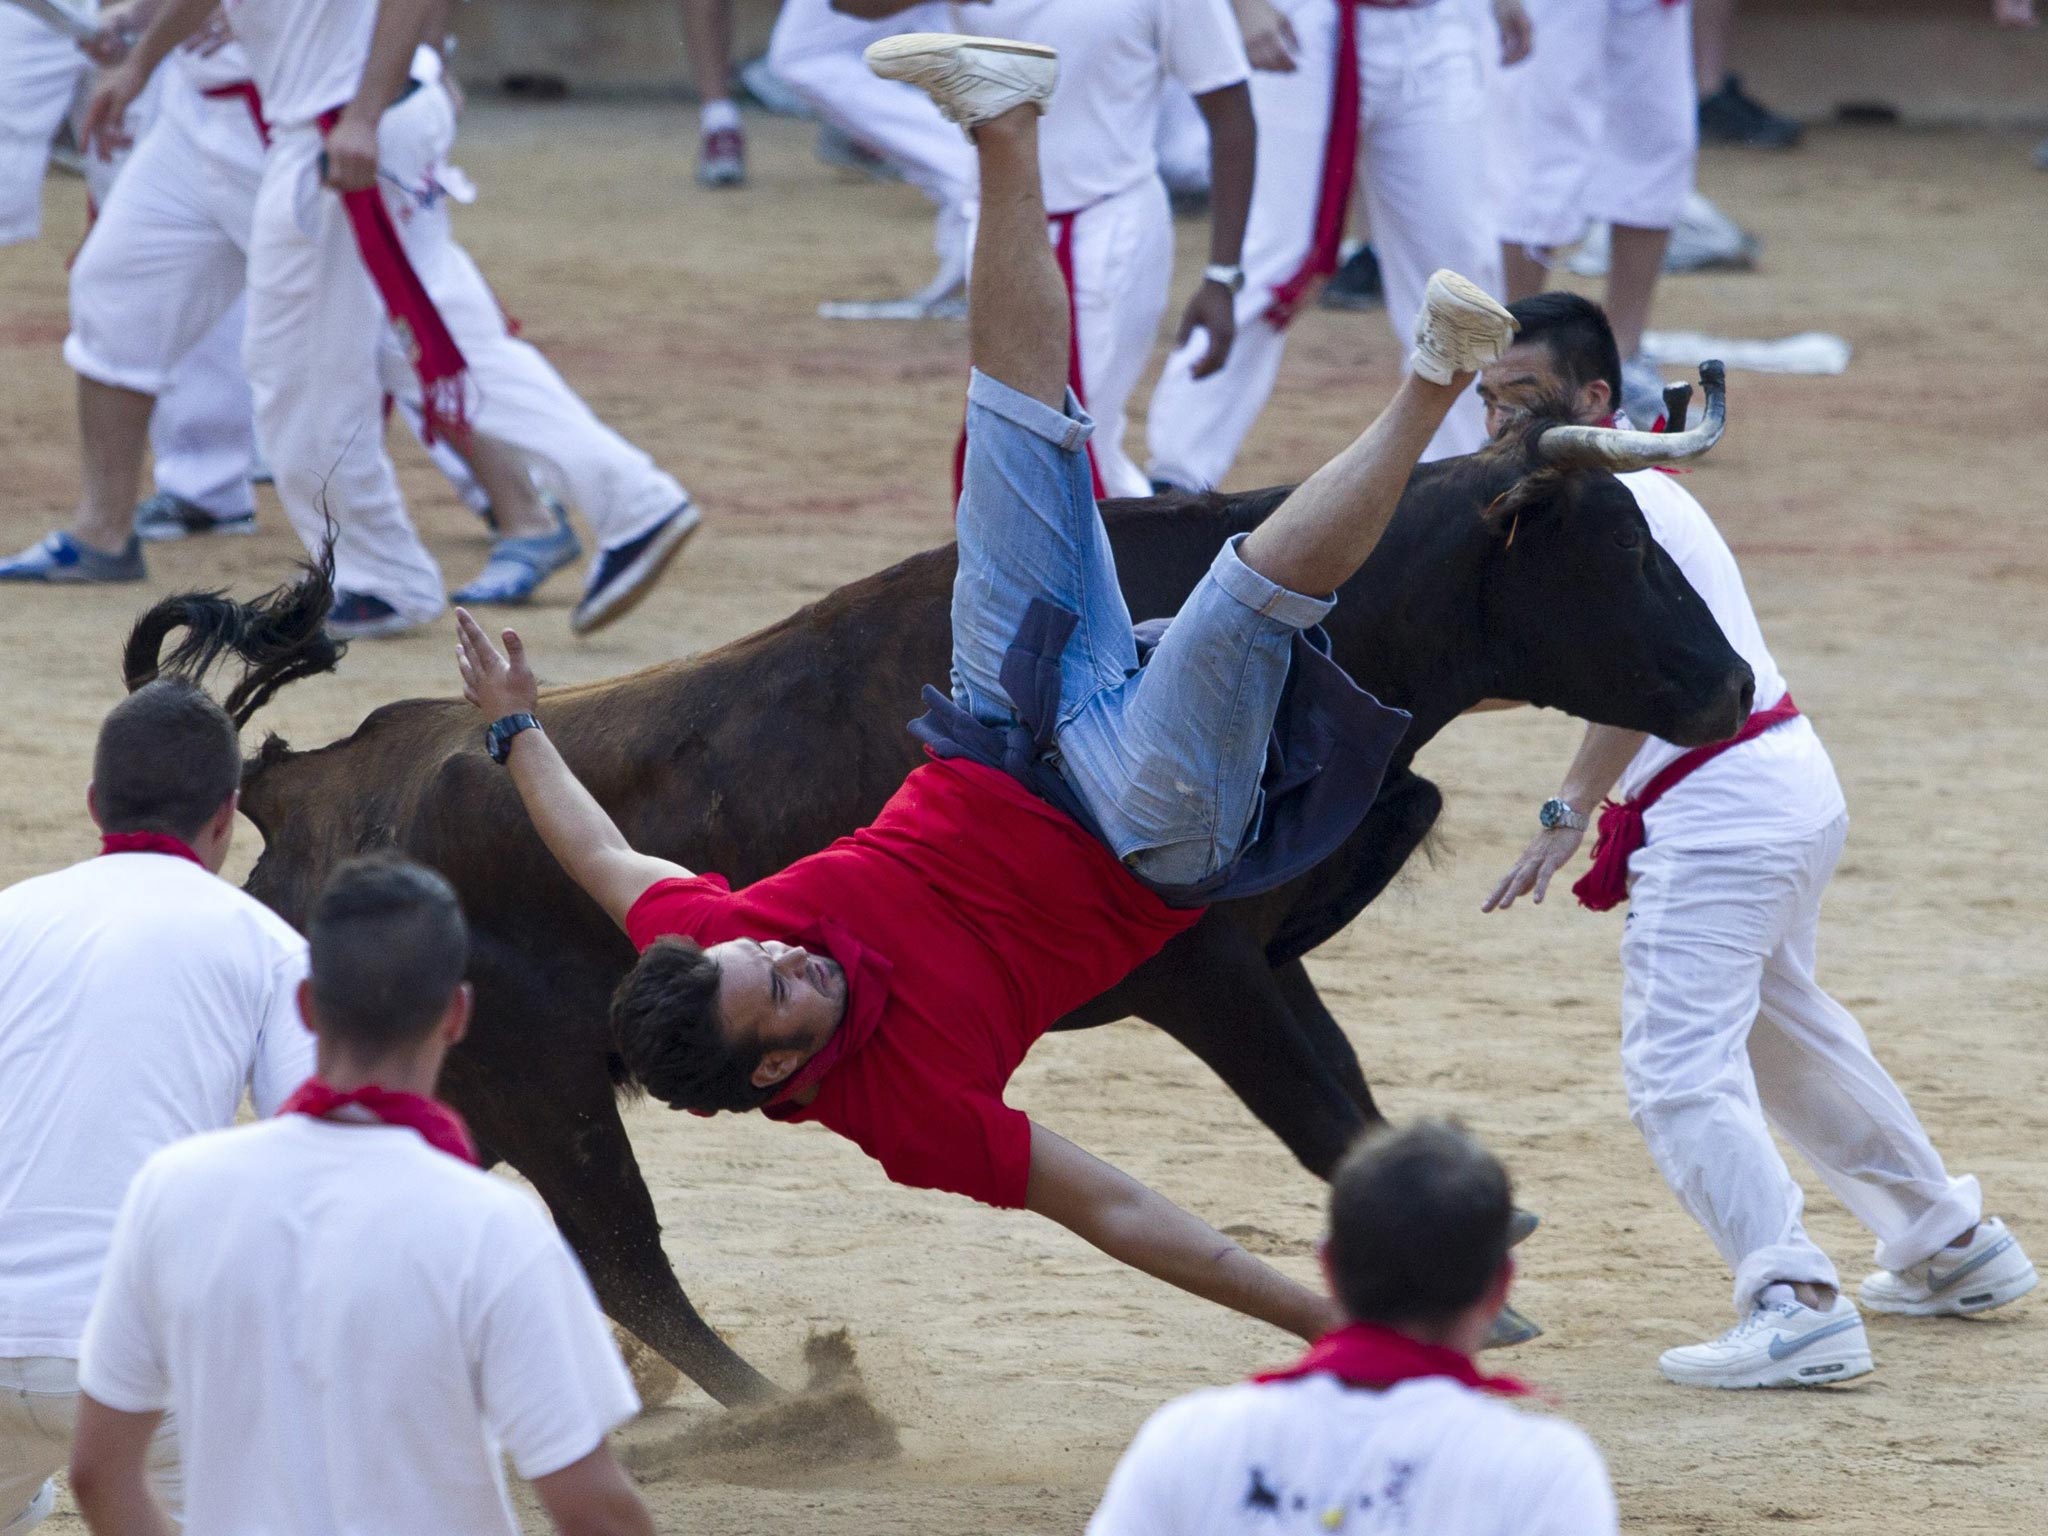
1510 1328
1520 1224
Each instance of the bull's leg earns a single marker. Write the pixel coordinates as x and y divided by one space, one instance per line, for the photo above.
567 1138
1323 1032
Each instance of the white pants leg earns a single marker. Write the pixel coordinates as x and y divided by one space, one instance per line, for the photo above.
40 72
1123 272
1552 113
38 1408
1650 137
1195 427
518 397
313 347
201 433
1827 1094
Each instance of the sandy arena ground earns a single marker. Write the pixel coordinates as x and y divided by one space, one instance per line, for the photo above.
1889 522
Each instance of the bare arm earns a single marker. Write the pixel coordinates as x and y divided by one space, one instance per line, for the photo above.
594 1497
1233 146
585 841
1147 1231
1603 756
352 141
109 1471
101 127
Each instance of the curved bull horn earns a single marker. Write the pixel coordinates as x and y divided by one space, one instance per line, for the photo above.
1619 450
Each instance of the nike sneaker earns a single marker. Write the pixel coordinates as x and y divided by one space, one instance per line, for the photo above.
1989 1272
1788 1345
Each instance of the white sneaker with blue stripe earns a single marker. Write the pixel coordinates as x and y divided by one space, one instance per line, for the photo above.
1989 1271
1787 1345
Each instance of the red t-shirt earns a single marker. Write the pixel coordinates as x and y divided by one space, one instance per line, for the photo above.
998 913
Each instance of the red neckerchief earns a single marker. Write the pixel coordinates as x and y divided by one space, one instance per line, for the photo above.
150 842
1369 1355
1605 885
438 1125
867 998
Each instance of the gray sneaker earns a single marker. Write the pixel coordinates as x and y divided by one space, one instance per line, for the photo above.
61 558
517 567
165 516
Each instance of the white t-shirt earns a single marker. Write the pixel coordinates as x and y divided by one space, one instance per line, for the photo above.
351 1330
1780 786
1099 132
1312 1456
306 56
138 995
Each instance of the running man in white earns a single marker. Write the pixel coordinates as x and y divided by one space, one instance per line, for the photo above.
352 1323
1599 123
353 104
1389 88
1386 1424
1108 214
1723 855
139 994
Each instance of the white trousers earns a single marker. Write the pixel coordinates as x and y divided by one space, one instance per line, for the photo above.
816 52
1123 273
38 1407
1600 122
1422 151
1726 1034
320 360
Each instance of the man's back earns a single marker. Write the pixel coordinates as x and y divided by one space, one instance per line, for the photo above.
1429 1457
349 1327
138 993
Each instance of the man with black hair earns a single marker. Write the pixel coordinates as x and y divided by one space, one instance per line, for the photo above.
139 995
352 1322
1082 806
1386 1424
1723 854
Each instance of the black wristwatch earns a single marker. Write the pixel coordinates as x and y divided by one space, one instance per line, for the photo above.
498 736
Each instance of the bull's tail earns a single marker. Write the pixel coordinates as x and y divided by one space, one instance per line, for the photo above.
278 638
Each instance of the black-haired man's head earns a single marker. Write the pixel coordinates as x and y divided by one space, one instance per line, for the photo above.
389 947
1419 1225
168 760
724 1027
1564 355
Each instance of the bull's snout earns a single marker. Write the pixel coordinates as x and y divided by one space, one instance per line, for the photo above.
1723 717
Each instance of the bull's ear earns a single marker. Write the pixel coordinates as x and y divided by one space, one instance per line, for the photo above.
1538 489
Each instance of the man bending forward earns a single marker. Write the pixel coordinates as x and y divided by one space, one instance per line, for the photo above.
889 986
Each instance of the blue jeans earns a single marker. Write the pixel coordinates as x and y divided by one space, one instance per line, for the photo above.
1168 757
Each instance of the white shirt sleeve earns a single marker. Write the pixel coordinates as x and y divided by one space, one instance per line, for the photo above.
552 1383
1201 45
121 1357
284 1046
1161 1479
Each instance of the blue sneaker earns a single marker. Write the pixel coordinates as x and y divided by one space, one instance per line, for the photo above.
625 574
517 567
165 516
61 558
361 616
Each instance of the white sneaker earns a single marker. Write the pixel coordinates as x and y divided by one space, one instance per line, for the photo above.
972 79
1991 1271
1460 330
37 1512
1788 1345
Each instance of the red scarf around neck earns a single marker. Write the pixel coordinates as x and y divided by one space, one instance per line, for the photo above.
150 842
438 1125
1370 1355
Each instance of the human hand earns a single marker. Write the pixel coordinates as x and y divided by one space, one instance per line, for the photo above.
104 127
1269 40
119 26
499 685
1517 32
1548 852
1212 309
351 156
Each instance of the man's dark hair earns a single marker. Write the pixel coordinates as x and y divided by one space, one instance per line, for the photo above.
1575 332
665 1021
168 758
1419 1221
389 947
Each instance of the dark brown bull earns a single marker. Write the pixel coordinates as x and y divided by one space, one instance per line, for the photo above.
1501 577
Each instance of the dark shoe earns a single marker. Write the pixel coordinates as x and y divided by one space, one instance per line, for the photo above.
517 567
1730 116
1356 284
722 158
165 516
360 616
62 560
624 575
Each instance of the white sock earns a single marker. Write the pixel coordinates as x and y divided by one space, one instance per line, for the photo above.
715 116
1776 1294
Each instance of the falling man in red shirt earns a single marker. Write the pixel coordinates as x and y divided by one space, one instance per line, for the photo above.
1080 807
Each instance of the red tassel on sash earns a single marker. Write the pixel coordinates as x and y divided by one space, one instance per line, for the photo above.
1340 165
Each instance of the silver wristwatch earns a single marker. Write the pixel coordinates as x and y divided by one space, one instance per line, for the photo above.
1557 813
1232 278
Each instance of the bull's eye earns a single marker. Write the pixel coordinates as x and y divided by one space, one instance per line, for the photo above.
1627 538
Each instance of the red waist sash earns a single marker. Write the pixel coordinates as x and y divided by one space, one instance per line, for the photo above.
246 93
1605 885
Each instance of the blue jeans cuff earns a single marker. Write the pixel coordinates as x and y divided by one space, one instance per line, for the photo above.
1067 430
1266 598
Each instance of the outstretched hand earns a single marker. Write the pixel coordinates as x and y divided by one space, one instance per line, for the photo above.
499 685
1548 852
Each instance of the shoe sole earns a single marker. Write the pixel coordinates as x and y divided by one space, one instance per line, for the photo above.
640 577
939 45
1980 1299
1817 1370
376 629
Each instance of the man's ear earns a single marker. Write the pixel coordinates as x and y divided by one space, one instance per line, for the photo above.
306 1010
777 1067
1503 1282
223 824
1597 403
92 805
1324 1264
455 1021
